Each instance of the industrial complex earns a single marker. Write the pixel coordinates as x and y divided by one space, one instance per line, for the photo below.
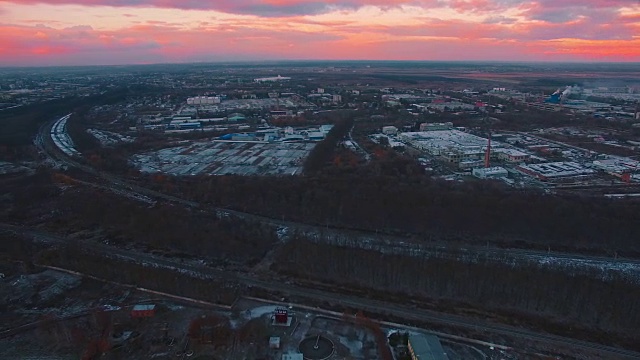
227 157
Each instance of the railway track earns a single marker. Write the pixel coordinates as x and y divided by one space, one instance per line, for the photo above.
375 306
391 241
382 309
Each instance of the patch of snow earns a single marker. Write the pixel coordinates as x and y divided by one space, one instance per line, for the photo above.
160 355
174 307
260 311
355 346
283 233
107 138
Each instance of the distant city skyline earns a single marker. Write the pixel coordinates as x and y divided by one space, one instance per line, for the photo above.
114 32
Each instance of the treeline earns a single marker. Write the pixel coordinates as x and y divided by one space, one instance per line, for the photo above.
160 279
324 151
390 196
530 290
165 227
173 229
77 126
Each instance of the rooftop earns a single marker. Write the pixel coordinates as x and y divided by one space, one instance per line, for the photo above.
427 347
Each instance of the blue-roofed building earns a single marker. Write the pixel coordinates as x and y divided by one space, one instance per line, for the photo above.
426 347
189 125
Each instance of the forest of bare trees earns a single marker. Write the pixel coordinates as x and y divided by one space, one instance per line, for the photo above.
122 220
518 290
389 196
150 277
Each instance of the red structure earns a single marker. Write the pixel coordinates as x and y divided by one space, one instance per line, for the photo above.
281 316
487 154
143 311
626 177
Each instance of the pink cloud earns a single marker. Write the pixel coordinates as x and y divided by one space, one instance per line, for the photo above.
256 7
553 30
148 43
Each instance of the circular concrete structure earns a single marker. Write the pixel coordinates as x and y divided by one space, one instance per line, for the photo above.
316 348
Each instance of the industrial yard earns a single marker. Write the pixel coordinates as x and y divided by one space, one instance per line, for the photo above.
222 157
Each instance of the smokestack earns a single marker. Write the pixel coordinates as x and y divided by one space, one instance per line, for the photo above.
487 154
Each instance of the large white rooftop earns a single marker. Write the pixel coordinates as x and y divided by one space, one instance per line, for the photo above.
446 139
557 169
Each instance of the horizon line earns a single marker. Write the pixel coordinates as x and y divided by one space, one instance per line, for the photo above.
263 61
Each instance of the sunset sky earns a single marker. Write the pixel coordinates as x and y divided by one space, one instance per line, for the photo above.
96 32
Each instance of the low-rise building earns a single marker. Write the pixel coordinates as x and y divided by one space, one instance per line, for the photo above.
389 130
495 172
316 136
146 310
470 164
426 347
617 166
274 342
436 126
554 170
512 155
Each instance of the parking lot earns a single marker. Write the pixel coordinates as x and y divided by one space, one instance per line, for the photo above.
221 158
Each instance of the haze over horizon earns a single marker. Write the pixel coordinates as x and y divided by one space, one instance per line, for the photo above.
118 32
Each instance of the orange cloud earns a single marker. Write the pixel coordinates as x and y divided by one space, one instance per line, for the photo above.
338 35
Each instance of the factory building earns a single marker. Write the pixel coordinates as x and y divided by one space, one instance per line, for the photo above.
495 172
555 170
189 125
316 136
203 100
458 156
451 106
456 145
243 137
184 124
618 167
426 347
436 126
470 164
389 130
512 155
272 79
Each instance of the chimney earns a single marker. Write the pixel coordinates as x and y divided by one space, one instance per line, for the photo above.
487 154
